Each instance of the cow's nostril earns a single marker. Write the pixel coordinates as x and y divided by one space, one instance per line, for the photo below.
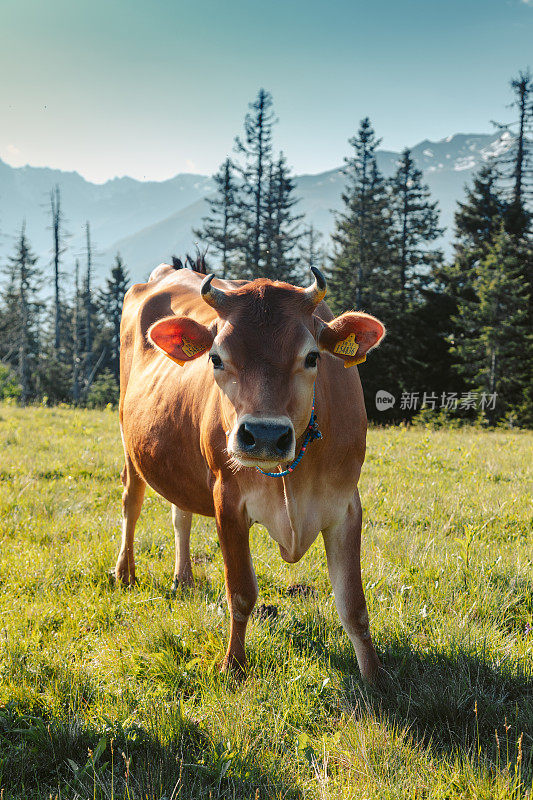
284 441
246 436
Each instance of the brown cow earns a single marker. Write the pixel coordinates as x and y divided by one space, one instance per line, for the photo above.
251 356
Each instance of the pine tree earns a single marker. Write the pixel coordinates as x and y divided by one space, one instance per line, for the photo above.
220 229
281 232
517 162
22 322
92 345
492 339
256 151
362 233
312 253
110 302
416 225
456 304
478 219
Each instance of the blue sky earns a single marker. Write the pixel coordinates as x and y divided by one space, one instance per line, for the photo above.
150 89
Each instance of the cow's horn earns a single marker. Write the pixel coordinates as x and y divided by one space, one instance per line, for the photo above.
317 291
214 297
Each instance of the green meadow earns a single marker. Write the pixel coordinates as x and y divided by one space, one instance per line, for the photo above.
110 693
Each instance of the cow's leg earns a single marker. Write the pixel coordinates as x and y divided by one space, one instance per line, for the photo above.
132 500
181 522
343 551
241 582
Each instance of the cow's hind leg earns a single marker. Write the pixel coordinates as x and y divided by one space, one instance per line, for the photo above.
132 500
343 551
181 522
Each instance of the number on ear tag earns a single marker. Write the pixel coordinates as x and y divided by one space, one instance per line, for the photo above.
348 346
189 348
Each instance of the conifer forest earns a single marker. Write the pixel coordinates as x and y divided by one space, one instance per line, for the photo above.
459 341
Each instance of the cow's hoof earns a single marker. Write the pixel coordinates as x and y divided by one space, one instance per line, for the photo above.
233 668
379 679
183 581
121 578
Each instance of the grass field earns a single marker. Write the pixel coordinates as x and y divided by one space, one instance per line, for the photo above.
106 693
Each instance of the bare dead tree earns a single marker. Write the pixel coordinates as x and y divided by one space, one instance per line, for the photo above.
88 306
55 208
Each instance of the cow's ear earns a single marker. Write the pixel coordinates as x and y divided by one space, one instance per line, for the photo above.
180 338
350 336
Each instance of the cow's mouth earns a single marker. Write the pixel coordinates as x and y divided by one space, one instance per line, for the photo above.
267 466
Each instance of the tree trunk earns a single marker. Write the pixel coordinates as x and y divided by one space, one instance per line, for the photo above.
77 356
55 204
88 321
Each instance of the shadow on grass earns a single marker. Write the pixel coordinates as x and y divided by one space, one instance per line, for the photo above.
42 757
458 701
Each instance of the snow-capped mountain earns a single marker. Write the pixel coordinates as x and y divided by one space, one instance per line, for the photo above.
149 221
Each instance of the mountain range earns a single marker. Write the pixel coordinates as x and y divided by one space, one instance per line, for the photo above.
149 221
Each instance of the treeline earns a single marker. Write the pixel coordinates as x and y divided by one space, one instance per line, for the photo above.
66 348
459 342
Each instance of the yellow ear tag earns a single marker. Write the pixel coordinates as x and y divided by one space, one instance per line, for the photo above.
189 348
349 347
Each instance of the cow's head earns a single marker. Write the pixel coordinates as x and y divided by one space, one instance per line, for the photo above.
264 350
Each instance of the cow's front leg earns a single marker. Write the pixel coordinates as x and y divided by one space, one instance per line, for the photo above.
241 582
343 551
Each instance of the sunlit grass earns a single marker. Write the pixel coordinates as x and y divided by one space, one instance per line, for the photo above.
107 693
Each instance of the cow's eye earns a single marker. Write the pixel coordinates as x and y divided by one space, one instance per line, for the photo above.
217 361
311 359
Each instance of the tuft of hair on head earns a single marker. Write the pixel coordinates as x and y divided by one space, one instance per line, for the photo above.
197 264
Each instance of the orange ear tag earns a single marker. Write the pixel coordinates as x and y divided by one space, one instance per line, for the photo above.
349 347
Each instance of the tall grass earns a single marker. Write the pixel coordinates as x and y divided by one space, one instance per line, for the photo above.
117 694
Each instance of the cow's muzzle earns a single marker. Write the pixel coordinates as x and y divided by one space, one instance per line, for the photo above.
262 440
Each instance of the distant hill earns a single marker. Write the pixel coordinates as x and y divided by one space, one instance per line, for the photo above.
148 221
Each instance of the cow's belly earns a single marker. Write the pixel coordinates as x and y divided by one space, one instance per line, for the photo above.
168 457
174 479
